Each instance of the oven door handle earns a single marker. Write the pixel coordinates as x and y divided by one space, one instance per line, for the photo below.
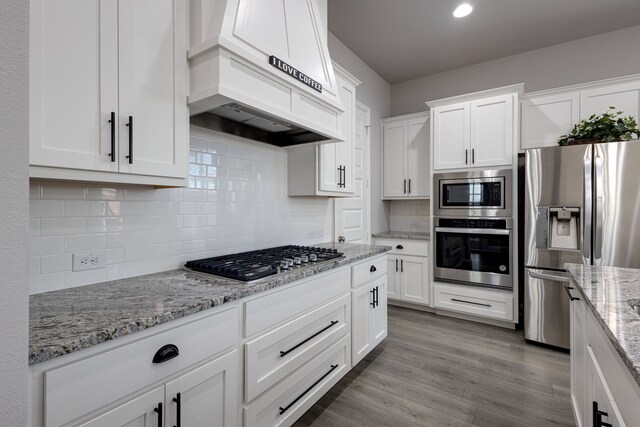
503 232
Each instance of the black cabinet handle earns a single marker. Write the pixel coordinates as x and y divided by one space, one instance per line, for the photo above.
473 156
112 154
470 302
130 126
373 297
339 176
401 266
344 177
409 185
286 408
405 187
166 352
377 294
284 353
178 400
568 291
373 269
158 410
597 416
466 156
396 265
399 247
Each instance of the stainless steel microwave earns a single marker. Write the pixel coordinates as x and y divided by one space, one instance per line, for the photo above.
486 193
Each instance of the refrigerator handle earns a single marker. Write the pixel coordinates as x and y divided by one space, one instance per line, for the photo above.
543 276
587 203
599 184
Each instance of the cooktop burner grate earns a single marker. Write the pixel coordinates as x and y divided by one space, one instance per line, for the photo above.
254 265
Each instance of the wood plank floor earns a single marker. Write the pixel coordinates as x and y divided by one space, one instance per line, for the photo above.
438 371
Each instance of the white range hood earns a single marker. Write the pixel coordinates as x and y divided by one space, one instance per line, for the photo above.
261 69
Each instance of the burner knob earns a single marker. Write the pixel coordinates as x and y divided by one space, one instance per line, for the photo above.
297 260
313 257
304 258
284 265
289 262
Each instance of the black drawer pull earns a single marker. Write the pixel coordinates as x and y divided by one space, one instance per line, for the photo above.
283 410
166 352
571 297
284 353
597 416
373 269
399 247
158 410
178 400
112 154
130 126
470 302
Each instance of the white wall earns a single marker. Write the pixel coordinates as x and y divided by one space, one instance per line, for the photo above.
236 201
599 57
13 210
375 92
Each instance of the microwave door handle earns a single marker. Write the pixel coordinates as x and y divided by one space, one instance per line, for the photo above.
599 203
588 204
504 232
543 276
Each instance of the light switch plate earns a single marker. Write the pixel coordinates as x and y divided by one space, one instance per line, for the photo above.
89 261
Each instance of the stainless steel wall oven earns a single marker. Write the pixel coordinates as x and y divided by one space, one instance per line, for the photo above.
474 251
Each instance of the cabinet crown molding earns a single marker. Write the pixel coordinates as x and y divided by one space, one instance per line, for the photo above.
582 86
518 88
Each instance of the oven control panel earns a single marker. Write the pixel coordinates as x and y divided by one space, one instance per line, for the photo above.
500 224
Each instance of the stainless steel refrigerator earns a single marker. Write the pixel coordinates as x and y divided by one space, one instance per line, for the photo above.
582 205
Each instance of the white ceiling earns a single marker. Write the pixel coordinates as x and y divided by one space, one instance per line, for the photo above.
405 39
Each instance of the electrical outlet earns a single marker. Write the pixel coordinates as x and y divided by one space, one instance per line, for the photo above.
312 234
89 261
414 225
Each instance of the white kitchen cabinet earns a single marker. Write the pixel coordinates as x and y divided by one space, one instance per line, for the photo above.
407 270
473 300
577 356
624 97
369 311
328 169
141 411
205 396
476 133
546 118
600 380
108 88
406 157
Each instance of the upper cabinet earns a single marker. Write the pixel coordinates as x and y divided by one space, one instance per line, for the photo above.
328 169
405 157
475 133
550 114
108 91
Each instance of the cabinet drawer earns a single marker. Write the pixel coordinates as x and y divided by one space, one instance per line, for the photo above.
268 311
405 247
272 356
369 270
475 301
82 387
287 401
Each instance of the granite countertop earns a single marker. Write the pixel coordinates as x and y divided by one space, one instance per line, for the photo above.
609 292
69 320
408 235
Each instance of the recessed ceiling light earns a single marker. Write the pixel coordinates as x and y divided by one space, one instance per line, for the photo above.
463 10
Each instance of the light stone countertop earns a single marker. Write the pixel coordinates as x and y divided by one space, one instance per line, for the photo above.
609 293
407 235
68 320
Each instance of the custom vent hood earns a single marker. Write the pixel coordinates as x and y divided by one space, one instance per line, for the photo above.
261 69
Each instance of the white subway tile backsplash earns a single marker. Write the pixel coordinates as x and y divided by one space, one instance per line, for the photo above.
62 226
86 243
236 201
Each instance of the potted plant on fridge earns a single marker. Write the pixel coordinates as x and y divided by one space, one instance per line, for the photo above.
608 127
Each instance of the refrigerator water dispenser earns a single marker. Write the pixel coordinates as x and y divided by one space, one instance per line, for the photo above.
564 228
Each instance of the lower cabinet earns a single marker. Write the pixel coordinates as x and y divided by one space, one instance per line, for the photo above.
205 396
603 391
369 325
476 301
142 411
